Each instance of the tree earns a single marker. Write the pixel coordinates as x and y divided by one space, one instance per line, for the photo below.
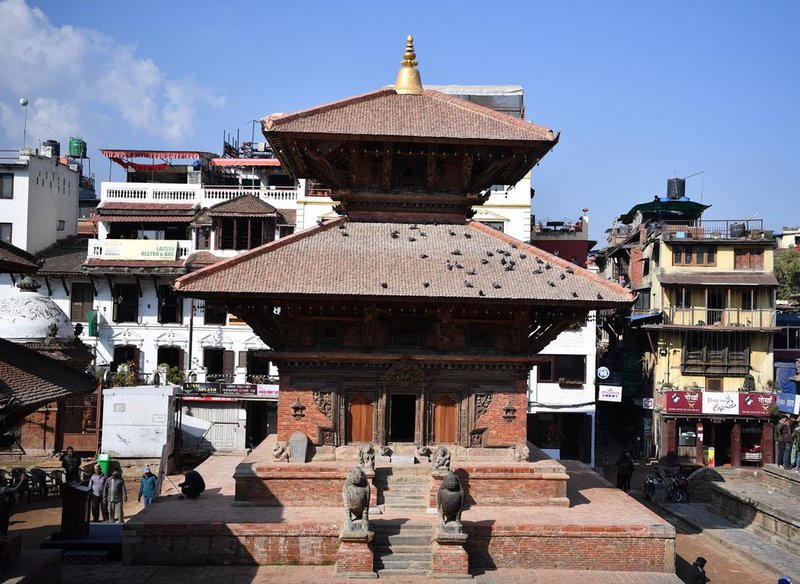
787 271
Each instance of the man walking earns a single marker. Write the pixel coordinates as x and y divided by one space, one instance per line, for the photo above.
780 443
97 486
115 495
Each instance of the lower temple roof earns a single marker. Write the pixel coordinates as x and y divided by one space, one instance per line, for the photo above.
402 260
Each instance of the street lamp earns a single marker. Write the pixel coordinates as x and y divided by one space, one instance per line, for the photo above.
23 101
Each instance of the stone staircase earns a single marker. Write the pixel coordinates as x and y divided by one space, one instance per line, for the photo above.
402 548
404 488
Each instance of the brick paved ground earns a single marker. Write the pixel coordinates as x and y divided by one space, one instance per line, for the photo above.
324 574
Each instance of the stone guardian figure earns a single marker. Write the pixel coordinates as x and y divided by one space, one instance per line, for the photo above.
450 502
366 457
441 459
355 495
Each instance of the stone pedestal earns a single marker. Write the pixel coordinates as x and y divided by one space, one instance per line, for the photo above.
449 559
354 558
373 491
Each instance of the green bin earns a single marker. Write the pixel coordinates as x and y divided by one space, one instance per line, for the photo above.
104 460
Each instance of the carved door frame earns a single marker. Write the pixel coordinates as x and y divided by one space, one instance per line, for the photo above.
457 397
419 407
344 423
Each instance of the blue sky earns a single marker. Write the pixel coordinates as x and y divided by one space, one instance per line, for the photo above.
641 91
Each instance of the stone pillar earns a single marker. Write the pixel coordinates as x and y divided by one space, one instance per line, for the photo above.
354 558
449 559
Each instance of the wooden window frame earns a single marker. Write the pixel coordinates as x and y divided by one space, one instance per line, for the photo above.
688 256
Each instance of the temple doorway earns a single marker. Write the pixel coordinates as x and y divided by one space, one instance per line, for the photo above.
361 419
402 417
444 420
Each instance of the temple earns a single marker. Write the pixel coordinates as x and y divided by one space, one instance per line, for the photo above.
402 322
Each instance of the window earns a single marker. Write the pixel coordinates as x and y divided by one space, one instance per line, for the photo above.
243 233
256 364
126 303
694 255
5 232
203 238
328 334
642 301
683 297
498 225
215 313
788 337
748 299
126 354
408 332
6 185
170 305
716 354
713 384
748 259
565 369
81 300
218 364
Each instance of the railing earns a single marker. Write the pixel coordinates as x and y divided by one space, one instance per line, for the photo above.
752 229
253 378
97 247
722 317
203 195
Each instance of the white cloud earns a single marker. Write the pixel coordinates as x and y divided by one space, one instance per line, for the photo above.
79 79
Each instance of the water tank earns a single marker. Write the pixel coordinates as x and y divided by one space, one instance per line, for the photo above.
51 148
77 148
676 187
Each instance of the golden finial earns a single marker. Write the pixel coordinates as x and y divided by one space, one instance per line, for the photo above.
408 80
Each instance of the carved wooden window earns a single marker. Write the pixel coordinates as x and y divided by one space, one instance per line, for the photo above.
445 416
408 332
481 337
361 422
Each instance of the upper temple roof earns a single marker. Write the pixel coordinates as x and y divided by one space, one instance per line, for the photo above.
430 115
400 260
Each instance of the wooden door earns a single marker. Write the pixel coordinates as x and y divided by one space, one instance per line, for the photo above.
444 420
361 419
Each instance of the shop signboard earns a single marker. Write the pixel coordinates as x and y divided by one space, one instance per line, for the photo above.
788 403
201 388
267 390
720 403
609 393
139 249
237 389
755 404
683 402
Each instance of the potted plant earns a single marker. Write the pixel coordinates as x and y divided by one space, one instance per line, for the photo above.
564 382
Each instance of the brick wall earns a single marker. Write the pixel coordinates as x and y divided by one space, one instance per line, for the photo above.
502 432
221 544
623 549
311 419
636 268
38 431
287 486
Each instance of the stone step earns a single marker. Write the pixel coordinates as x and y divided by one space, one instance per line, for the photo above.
405 557
380 550
384 573
417 497
403 539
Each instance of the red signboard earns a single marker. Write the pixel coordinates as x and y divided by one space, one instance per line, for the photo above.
684 402
755 404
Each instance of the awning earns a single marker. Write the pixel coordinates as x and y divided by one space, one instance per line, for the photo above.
143 218
719 279
246 162
643 317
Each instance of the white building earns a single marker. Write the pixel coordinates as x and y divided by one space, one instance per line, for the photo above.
38 199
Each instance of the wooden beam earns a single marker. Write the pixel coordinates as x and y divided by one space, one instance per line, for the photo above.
47 283
64 285
386 166
466 169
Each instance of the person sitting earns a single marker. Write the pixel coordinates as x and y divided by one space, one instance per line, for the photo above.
193 483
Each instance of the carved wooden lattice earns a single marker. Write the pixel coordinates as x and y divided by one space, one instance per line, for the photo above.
324 402
482 403
405 372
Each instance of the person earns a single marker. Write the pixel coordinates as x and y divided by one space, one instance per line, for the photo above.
786 439
7 502
147 486
114 495
697 573
780 444
72 465
796 448
193 483
97 486
624 471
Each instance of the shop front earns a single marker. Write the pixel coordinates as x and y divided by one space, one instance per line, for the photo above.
716 428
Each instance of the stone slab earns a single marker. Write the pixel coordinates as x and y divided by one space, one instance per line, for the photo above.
298 447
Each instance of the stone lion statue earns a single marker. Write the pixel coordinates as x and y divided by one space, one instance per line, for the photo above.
450 500
280 453
441 459
355 495
366 456
522 453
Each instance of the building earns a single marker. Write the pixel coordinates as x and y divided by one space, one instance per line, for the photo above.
703 326
39 194
789 238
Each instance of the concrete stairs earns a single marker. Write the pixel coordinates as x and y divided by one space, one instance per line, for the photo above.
402 548
403 487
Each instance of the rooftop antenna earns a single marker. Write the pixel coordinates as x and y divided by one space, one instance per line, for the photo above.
703 185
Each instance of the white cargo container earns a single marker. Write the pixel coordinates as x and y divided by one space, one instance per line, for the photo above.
138 421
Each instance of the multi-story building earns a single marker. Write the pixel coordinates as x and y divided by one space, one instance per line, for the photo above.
703 324
39 193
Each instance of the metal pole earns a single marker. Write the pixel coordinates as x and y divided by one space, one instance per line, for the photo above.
191 334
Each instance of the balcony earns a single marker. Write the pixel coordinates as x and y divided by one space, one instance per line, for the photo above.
203 195
720 317
715 229
140 249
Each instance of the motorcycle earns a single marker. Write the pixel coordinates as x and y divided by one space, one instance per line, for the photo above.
675 487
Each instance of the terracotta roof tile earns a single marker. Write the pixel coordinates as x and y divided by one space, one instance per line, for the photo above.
289 216
14 259
64 257
29 379
201 259
432 114
402 260
241 205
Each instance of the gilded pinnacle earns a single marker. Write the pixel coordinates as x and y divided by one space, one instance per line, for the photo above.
408 81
